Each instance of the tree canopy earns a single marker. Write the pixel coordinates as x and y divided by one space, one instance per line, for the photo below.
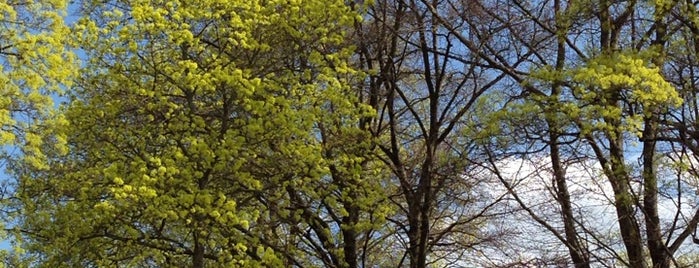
386 133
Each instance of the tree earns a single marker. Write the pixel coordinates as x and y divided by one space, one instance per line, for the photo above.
207 133
35 65
425 87
586 95
347 134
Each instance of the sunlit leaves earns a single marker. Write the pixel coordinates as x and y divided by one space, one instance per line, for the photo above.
610 93
35 64
190 119
628 73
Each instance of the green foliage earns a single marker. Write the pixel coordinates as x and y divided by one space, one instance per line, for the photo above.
195 128
35 64
622 86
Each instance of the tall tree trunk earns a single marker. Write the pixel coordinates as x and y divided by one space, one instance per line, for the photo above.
624 202
349 236
659 253
578 252
198 254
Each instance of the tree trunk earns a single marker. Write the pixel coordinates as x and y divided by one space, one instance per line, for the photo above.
198 254
624 203
578 253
